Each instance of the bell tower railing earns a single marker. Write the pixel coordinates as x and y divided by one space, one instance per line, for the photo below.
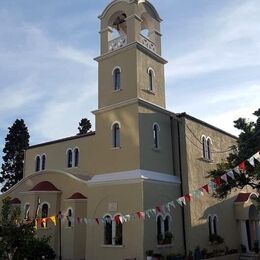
117 43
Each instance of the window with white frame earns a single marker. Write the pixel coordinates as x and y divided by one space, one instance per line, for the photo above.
113 230
69 217
213 225
156 130
40 162
206 147
116 135
117 78
27 211
76 157
69 158
164 234
151 76
37 163
43 162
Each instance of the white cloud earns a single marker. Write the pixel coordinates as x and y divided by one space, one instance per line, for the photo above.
232 40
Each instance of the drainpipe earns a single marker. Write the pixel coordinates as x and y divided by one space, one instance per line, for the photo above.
180 168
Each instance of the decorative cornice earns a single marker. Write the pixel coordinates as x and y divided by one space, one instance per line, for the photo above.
134 176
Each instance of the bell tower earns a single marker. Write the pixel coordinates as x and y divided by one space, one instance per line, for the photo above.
130 65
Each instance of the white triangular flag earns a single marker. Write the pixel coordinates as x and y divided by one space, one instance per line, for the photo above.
257 156
251 160
231 174
224 177
237 170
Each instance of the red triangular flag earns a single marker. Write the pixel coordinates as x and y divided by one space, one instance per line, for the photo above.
217 181
188 197
242 167
206 188
158 209
97 220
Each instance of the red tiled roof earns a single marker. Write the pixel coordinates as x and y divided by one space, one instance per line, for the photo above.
242 197
44 186
77 196
15 201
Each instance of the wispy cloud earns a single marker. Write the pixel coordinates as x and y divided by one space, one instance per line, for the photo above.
231 40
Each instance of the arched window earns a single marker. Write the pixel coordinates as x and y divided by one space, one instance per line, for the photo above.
150 76
156 130
69 158
167 224
117 78
208 149
108 230
160 231
210 225
116 135
119 233
27 211
69 218
37 163
215 225
76 157
43 162
204 147
45 209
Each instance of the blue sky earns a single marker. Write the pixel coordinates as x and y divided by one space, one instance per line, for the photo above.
48 76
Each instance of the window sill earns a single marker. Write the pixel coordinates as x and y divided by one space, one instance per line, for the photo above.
206 160
156 149
116 148
41 228
116 91
69 227
113 246
165 246
149 91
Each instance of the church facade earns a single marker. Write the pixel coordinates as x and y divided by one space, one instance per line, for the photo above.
140 156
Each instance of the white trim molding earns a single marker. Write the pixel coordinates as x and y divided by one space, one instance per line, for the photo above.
132 177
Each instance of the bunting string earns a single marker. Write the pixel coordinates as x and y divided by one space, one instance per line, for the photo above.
164 208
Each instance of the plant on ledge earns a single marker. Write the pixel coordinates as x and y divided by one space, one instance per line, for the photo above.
166 239
216 239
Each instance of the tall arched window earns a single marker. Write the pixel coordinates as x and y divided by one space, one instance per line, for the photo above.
37 163
208 149
43 162
69 158
204 147
76 157
27 211
117 78
45 212
156 131
210 225
160 231
69 216
108 230
150 76
116 135
215 225
119 233
167 224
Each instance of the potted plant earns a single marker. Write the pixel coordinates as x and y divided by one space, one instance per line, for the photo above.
216 239
168 237
149 254
160 239
157 256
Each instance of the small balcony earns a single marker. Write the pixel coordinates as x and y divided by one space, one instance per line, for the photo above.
117 43
147 43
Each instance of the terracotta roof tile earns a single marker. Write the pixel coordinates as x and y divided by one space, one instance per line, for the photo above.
242 197
77 196
44 186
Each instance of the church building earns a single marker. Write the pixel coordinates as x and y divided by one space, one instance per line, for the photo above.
114 190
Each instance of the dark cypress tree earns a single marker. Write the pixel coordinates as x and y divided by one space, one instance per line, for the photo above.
84 126
16 141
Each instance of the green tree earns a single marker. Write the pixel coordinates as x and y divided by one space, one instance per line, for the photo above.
16 141
248 143
84 126
17 238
